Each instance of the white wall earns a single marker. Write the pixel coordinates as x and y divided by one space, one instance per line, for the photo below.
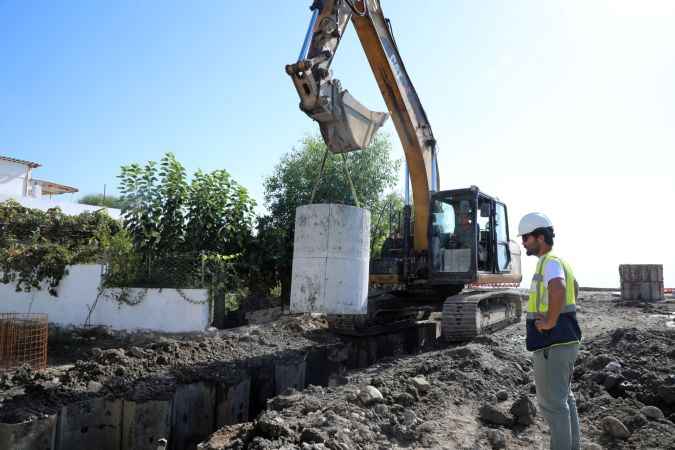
160 309
69 208
12 178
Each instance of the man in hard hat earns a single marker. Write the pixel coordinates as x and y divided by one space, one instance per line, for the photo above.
553 333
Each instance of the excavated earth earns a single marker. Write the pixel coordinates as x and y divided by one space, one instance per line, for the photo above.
480 395
476 395
95 362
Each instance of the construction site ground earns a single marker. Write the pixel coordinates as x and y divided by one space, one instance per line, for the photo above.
475 395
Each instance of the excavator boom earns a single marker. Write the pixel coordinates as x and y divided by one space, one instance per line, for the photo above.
346 124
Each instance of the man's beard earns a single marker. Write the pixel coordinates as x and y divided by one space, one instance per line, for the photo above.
534 251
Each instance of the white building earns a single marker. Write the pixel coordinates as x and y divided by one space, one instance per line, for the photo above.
17 183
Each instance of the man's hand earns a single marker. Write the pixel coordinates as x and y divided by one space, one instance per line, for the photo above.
542 323
556 301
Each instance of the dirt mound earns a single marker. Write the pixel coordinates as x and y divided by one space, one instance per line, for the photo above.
407 402
629 374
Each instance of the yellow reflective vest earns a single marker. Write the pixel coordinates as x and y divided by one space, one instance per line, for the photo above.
567 329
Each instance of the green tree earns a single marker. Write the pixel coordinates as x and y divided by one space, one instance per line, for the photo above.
179 228
372 170
219 213
142 193
173 194
109 201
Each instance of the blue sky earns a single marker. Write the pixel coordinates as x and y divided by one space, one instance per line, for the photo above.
565 107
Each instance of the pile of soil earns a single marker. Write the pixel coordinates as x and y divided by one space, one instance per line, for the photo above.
628 374
407 402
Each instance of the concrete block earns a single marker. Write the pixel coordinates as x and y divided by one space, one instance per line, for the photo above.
331 256
192 415
143 423
91 424
642 282
232 402
33 435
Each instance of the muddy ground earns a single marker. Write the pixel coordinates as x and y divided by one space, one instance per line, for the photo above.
471 396
481 396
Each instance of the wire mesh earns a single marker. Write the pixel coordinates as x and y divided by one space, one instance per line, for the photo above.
23 340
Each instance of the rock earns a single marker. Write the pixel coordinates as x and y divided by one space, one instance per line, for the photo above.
494 415
635 421
599 377
667 394
612 380
426 427
313 435
370 395
381 409
591 446
652 412
496 439
113 355
615 428
502 396
94 386
408 418
421 384
613 366
281 402
96 352
524 410
271 425
137 352
337 380
405 399
162 360
532 388
600 362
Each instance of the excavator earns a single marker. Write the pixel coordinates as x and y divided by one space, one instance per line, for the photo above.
453 253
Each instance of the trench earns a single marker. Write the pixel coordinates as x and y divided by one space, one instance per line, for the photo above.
191 412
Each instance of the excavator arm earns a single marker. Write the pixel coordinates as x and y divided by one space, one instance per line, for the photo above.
345 124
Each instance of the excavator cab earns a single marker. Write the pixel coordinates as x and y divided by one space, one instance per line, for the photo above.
469 240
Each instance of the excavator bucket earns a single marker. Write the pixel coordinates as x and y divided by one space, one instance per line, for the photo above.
350 126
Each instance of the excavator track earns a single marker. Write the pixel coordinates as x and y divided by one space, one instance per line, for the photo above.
471 314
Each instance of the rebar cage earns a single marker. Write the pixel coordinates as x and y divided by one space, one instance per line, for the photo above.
23 340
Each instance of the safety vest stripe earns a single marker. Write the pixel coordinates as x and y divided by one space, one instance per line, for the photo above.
566 309
540 271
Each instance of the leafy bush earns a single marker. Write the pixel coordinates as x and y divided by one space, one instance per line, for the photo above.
183 233
36 247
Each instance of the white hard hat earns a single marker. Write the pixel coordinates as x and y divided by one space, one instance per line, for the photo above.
531 222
